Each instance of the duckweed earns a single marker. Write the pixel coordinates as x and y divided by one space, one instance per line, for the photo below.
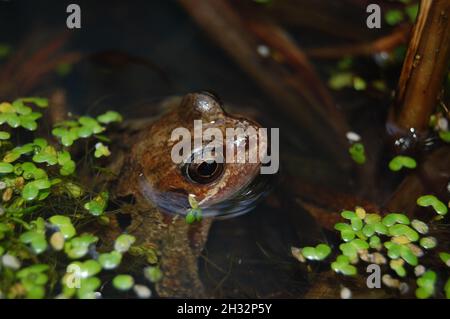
342 265
368 230
29 174
6 168
371 219
433 201
445 257
101 150
123 282
445 136
4 135
394 218
88 287
375 242
110 260
36 239
357 153
428 242
64 224
397 266
426 285
419 226
124 242
77 247
97 206
447 289
399 162
380 228
320 252
109 117
153 273
403 230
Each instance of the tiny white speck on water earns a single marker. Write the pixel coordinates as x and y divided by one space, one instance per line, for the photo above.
346 293
263 50
142 291
442 124
10 261
353 137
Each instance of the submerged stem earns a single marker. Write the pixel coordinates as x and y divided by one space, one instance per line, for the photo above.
424 68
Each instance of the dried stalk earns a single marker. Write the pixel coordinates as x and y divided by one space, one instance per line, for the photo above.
384 44
424 67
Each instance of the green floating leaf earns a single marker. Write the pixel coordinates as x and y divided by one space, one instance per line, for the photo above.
109 117
39 101
124 242
445 257
341 265
5 50
153 273
101 150
426 285
64 225
357 153
6 168
431 200
4 135
77 247
412 11
88 286
445 136
193 215
394 17
37 240
393 218
123 282
399 162
97 206
403 230
110 260
428 242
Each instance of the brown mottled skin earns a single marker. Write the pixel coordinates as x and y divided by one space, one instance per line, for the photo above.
148 174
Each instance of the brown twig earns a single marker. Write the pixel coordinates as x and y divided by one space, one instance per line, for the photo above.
384 44
424 67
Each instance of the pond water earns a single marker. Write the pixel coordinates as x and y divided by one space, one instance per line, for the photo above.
139 53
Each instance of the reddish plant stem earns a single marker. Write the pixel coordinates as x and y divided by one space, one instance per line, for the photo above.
424 67
383 44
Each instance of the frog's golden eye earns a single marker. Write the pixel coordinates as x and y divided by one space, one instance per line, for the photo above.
204 172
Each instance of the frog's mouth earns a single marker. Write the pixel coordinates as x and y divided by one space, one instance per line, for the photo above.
241 202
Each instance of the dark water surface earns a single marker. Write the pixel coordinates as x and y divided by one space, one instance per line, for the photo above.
247 256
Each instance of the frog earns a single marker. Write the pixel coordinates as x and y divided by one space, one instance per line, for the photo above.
154 190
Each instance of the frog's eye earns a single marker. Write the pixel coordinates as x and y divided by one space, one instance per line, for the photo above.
204 172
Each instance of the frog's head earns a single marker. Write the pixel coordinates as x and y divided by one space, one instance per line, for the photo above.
221 187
